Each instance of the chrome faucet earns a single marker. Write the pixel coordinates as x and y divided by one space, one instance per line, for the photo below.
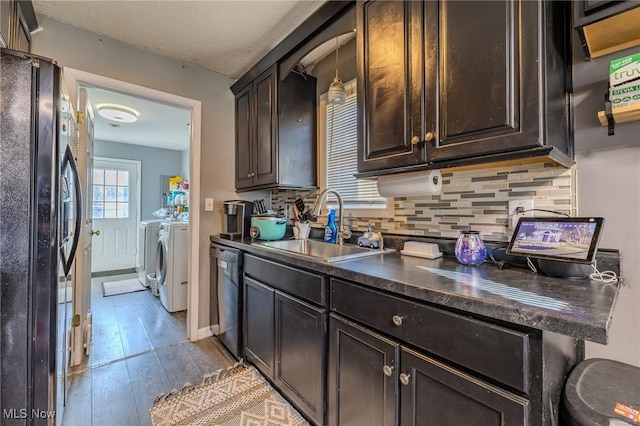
344 233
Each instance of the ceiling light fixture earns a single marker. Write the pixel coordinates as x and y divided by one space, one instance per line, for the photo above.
337 93
118 113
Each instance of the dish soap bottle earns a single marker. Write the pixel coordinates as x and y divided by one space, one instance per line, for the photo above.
331 231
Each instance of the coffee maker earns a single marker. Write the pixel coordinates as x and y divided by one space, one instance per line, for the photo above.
237 219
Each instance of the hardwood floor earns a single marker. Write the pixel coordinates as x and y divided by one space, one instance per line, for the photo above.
138 350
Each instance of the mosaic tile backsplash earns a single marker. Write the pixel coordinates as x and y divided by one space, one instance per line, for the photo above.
470 199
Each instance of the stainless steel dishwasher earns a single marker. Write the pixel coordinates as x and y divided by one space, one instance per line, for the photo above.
226 296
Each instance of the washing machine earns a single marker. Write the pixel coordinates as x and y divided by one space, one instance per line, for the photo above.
148 234
171 265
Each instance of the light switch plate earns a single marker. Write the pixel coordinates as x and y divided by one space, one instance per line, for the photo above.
208 204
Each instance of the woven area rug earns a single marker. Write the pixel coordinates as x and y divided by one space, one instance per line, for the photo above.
237 396
112 288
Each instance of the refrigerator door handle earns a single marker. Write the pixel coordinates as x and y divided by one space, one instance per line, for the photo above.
68 161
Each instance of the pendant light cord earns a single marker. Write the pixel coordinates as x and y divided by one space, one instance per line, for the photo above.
333 107
337 60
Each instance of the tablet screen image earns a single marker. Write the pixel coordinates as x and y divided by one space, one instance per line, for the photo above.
567 239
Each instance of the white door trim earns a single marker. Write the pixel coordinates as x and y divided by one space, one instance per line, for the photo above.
73 78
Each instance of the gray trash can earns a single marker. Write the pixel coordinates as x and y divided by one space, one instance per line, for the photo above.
593 389
152 283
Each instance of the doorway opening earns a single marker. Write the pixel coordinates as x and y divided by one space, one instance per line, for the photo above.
78 80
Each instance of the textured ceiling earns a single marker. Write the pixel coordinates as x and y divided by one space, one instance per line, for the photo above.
227 37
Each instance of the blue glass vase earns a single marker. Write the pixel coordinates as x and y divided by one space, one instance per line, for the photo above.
470 249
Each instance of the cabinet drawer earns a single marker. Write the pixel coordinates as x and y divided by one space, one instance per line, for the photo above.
299 283
493 351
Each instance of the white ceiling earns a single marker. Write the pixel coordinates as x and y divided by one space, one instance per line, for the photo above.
158 125
228 37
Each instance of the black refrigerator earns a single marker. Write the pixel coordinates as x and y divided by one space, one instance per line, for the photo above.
40 214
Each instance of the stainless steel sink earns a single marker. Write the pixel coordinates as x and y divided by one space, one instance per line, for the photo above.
321 250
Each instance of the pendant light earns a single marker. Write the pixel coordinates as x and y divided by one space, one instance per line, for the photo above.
337 93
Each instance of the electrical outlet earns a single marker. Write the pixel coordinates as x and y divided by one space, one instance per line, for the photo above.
527 207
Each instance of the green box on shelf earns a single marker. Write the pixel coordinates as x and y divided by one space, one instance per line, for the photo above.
624 70
625 95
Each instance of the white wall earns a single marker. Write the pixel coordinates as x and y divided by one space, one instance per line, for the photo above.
185 164
93 53
608 170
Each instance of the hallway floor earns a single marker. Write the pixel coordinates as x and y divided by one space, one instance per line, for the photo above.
138 350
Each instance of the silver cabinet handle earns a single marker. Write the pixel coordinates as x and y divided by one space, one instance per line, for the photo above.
397 320
429 136
415 140
388 371
404 379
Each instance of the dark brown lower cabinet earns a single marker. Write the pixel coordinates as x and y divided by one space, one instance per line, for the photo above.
285 331
300 367
259 341
363 376
433 393
374 381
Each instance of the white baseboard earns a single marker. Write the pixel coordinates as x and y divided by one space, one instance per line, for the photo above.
205 332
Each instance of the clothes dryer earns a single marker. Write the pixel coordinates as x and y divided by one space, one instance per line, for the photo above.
171 265
148 234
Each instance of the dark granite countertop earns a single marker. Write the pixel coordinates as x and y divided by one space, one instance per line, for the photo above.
582 309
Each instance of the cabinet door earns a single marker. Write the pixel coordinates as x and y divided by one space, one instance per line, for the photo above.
389 61
258 325
432 393
488 85
244 165
300 352
265 125
363 376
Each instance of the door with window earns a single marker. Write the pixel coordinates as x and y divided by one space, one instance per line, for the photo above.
115 214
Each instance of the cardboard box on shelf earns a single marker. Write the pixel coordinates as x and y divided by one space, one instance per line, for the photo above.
626 95
174 183
624 70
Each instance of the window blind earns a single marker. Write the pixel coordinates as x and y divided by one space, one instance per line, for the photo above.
342 160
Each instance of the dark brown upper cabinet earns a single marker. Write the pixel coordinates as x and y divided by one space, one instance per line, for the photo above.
389 61
607 26
448 83
276 132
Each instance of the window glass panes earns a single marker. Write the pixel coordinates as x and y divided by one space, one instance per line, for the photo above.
111 177
123 178
110 194
98 210
123 194
98 176
98 193
110 210
122 210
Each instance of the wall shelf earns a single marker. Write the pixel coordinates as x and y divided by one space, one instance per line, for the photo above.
621 115
612 27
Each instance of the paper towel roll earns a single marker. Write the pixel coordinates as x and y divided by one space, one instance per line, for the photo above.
410 184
